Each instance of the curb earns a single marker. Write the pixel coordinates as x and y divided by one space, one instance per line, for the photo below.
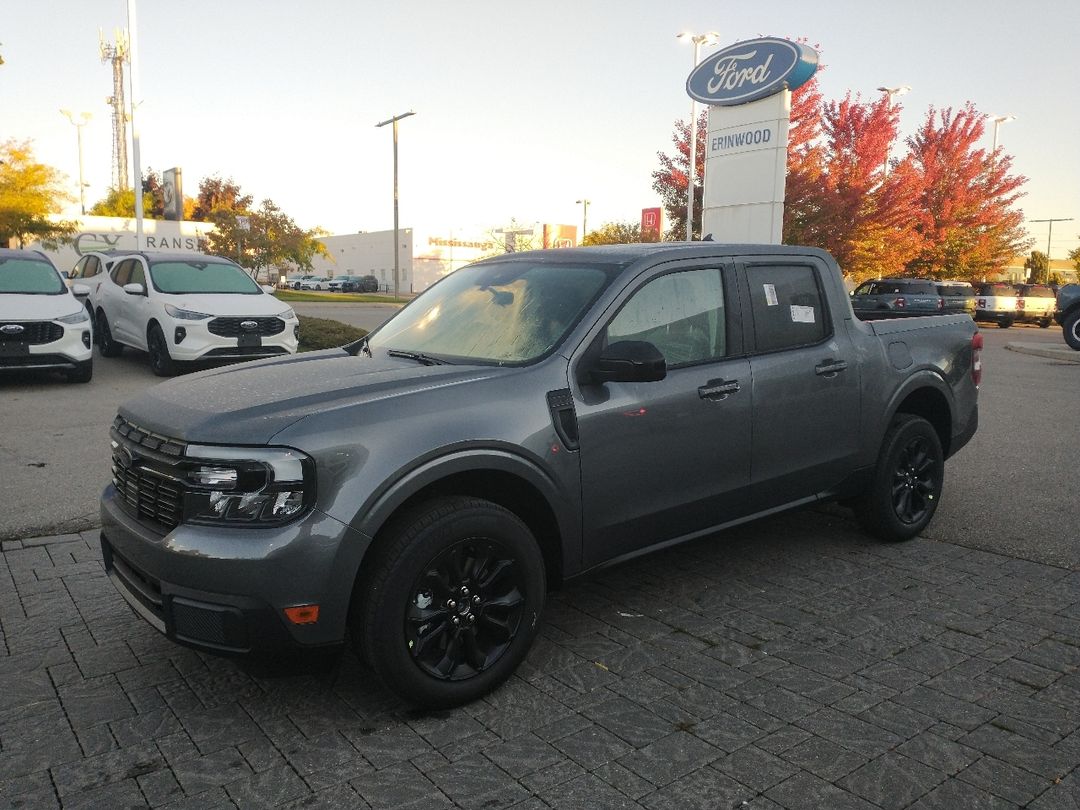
1064 354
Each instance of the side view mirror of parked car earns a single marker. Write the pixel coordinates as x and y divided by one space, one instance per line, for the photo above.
80 290
134 289
629 361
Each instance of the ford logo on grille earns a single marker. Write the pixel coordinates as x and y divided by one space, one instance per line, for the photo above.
12 329
249 325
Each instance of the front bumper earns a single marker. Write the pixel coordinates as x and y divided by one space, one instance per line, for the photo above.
192 341
62 354
224 589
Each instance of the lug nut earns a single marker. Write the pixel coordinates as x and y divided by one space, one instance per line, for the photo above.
464 591
450 603
472 618
476 600
457 620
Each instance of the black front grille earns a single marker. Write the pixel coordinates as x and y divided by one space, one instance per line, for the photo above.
38 332
144 472
37 361
230 327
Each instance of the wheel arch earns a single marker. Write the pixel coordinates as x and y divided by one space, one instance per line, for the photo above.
929 398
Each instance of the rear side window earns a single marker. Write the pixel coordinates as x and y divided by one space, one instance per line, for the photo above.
1038 292
788 306
996 290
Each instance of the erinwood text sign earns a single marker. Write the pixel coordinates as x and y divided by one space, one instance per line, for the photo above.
751 70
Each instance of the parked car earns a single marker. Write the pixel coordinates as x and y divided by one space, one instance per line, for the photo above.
314 283
996 301
186 307
295 281
367 284
42 323
1068 314
527 419
342 283
89 272
896 297
958 298
1035 303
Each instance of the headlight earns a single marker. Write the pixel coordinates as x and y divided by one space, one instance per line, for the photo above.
76 317
287 315
263 486
185 314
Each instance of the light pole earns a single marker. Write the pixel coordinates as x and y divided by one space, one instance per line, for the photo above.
998 121
133 60
397 246
708 38
85 118
584 216
889 93
1050 235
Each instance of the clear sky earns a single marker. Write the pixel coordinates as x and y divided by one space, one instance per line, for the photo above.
521 109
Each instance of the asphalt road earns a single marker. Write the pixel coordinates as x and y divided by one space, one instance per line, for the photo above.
1012 490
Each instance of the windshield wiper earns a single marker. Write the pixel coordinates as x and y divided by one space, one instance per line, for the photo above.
419 357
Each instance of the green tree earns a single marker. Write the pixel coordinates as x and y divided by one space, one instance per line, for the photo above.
30 194
1038 266
272 239
1074 257
614 233
121 203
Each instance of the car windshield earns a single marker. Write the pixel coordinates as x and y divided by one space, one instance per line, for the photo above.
502 312
29 277
195 276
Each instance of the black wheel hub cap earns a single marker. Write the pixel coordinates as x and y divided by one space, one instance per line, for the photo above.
464 610
914 486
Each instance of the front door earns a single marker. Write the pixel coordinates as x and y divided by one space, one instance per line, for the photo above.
662 460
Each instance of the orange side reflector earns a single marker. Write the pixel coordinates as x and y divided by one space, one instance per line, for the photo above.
303 614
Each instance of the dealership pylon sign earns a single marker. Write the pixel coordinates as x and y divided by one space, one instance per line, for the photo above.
748 89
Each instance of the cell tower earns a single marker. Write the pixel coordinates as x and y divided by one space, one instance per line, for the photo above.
117 55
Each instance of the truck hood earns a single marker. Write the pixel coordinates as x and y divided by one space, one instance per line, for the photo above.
249 403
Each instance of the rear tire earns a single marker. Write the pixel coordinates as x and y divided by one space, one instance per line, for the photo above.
451 602
1070 328
1045 323
106 345
83 372
160 360
907 483
1005 324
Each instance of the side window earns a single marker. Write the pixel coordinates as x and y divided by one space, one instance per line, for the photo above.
92 267
122 272
79 270
137 274
788 306
682 314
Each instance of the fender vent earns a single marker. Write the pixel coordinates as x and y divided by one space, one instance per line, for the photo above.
561 405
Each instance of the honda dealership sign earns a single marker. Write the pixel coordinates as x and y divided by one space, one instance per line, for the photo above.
748 89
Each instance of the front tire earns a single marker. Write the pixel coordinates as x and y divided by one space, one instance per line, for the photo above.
161 361
451 602
1045 323
1005 324
1070 328
907 483
106 345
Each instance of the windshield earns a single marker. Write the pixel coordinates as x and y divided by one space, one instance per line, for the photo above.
499 312
29 277
195 276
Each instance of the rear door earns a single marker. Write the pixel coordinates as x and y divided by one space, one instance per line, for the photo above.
661 460
806 402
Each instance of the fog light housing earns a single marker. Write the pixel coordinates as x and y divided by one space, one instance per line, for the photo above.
179 335
86 339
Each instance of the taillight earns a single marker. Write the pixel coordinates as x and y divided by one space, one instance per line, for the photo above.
1019 303
976 358
899 303
982 303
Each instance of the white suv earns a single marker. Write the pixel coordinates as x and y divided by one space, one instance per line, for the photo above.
183 307
42 324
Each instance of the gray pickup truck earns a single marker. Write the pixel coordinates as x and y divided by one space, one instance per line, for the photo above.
529 418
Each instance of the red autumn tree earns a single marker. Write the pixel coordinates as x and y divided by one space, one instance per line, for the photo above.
839 197
669 181
968 219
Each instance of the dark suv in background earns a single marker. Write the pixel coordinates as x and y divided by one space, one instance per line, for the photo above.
897 297
958 297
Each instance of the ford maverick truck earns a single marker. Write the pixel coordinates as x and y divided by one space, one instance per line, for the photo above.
527 419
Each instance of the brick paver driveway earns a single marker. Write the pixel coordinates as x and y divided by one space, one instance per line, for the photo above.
790 664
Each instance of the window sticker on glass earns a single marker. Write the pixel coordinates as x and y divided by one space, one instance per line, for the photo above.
770 295
802 314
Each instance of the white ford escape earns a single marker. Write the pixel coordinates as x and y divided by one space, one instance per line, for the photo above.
42 323
185 307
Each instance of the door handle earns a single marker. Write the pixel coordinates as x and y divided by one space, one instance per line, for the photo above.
830 368
718 389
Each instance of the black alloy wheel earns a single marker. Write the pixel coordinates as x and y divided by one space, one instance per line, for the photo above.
1070 329
448 602
160 360
106 345
464 610
906 487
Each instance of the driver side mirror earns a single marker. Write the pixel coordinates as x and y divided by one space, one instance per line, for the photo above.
628 361
80 290
134 288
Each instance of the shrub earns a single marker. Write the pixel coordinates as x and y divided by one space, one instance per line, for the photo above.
323 333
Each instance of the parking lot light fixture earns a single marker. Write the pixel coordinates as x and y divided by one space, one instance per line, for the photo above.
584 216
889 92
397 246
998 121
697 40
84 118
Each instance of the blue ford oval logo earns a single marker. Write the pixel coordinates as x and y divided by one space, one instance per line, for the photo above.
751 70
12 329
249 325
